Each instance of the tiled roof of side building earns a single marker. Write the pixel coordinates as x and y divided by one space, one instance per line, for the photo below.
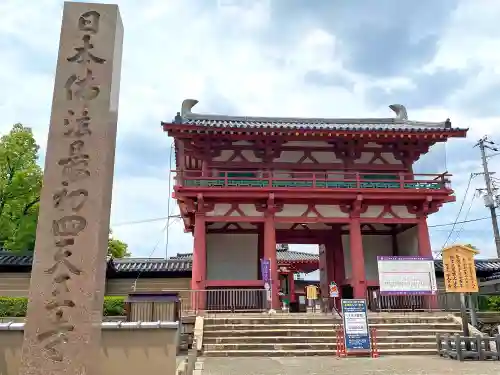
153 265
400 123
183 262
281 255
482 265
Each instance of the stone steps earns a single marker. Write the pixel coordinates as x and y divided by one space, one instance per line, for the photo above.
303 336
309 353
325 327
308 340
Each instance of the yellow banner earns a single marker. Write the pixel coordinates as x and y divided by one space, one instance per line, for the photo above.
312 292
460 269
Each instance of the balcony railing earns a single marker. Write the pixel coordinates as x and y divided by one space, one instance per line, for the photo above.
312 180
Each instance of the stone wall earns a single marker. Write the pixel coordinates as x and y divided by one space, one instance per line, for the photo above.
126 348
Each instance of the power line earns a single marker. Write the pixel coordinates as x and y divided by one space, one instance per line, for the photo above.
459 212
165 228
146 220
465 218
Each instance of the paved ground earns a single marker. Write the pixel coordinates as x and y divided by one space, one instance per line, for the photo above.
394 365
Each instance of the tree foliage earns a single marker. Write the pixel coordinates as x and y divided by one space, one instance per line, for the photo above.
20 186
117 248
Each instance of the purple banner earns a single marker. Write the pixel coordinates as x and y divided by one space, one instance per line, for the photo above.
265 269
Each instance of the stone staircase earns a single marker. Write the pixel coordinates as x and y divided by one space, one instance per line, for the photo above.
307 335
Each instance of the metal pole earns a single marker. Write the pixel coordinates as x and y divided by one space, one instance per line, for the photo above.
472 309
489 192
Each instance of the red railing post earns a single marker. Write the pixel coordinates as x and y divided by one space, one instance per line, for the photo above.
358 185
401 180
374 346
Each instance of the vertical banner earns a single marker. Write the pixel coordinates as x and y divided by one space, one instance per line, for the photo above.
356 330
265 270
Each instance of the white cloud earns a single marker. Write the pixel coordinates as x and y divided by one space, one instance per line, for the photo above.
174 49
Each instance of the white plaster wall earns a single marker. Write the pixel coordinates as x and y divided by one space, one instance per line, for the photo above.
373 246
408 242
232 256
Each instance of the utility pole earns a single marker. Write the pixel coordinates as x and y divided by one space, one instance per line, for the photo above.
490 199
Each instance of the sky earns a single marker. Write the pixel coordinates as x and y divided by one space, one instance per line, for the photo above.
327 58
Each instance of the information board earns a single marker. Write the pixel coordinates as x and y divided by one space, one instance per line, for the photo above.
400 275
460 269
356 330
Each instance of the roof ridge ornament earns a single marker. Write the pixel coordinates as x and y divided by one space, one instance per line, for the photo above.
187 105
400 111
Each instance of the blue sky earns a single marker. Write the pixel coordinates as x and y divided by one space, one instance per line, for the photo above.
271 58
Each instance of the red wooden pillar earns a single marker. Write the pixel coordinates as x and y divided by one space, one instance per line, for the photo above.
339 263
199 268
425 250
291 285
270 253
260 250
357 259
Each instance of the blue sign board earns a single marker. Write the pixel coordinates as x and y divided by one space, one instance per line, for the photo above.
356 330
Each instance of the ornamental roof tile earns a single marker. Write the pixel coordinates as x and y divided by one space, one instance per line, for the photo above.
400 123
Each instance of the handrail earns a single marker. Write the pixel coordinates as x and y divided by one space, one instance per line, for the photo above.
327 179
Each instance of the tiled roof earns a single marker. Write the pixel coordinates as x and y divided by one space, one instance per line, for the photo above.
495 276
152 265
8 258
482 265
400 123
183 262
282 256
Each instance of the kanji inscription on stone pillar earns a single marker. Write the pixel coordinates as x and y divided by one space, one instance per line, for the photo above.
62 332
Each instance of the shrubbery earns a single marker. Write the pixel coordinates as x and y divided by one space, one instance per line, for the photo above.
16 306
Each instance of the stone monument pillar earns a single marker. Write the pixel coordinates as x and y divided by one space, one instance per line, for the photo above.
62 332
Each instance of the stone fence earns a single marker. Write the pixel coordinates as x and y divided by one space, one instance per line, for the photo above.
126 348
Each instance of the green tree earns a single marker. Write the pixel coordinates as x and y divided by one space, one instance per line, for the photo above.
20 185
117 248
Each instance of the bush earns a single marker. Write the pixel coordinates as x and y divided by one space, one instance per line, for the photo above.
114 306
494 303
13 306
16 306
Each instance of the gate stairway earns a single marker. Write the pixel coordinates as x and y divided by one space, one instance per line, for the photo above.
309 335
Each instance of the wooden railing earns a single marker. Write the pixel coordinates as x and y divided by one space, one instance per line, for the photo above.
312 180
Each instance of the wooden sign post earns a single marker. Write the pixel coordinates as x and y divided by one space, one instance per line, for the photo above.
460 276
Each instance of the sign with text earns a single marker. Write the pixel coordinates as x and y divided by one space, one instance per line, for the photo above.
265 270
459 269
400 275
356 330
334 290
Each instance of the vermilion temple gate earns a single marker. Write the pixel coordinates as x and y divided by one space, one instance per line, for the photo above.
244 184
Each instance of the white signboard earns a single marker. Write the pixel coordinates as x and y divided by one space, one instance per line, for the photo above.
406 275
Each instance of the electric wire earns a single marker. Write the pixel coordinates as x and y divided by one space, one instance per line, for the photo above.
179 216
167 234
167 224
460 230
459 212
